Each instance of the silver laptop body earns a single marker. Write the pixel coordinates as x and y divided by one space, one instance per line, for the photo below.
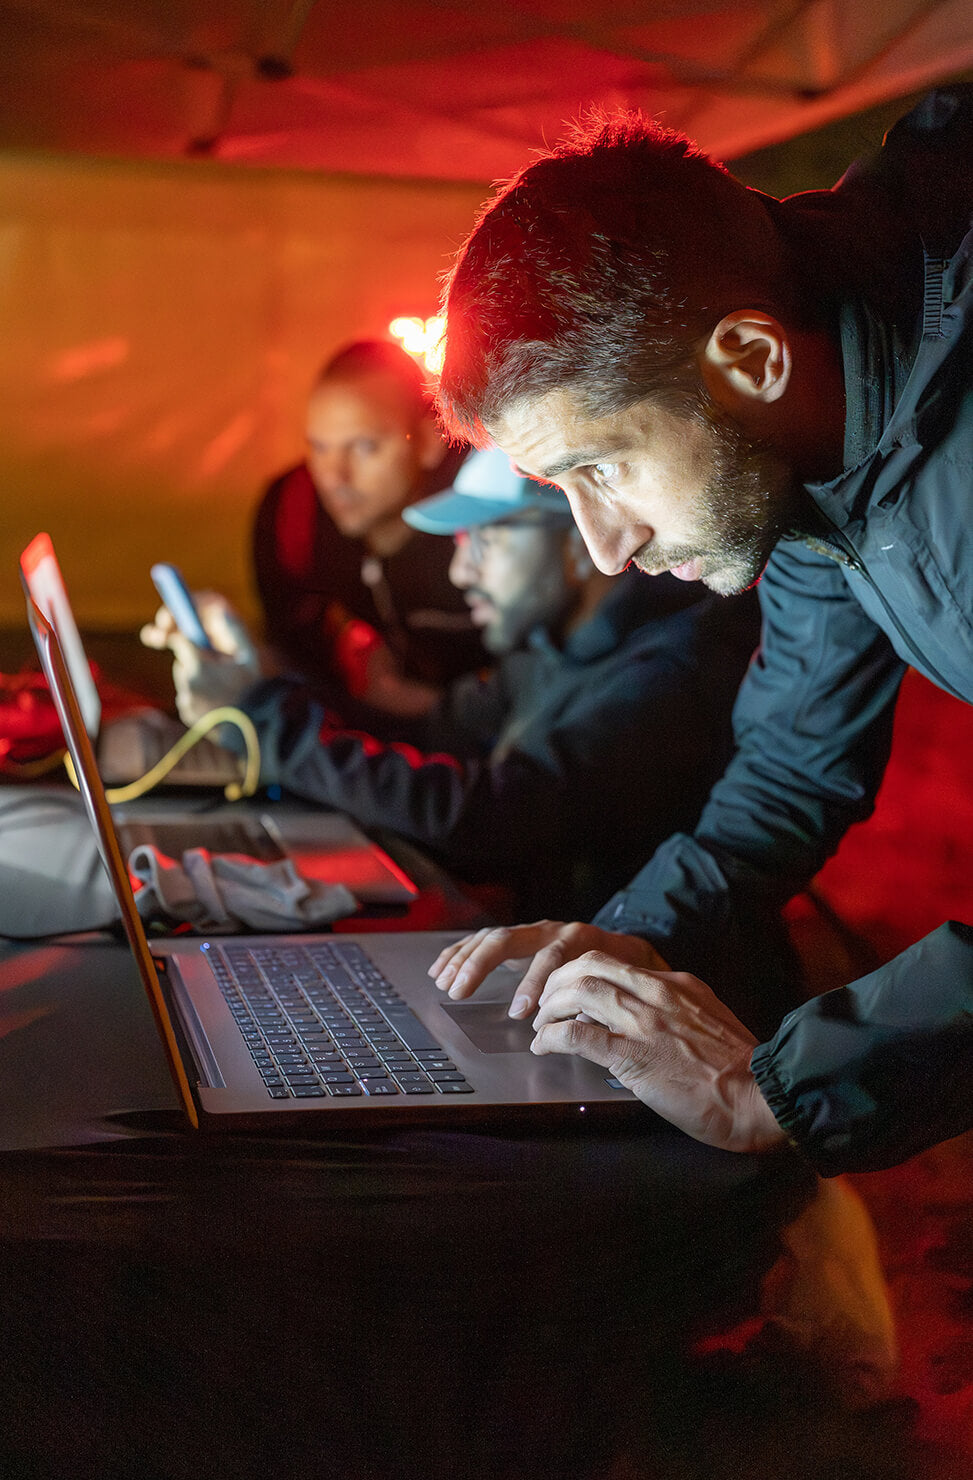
430 1060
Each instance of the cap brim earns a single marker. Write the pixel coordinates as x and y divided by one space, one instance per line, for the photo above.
449 512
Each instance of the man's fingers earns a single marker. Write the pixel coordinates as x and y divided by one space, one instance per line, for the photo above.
156 634
535 978
596 983
613 1051
461 967
452 957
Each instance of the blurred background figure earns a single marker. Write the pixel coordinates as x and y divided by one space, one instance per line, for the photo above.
349 591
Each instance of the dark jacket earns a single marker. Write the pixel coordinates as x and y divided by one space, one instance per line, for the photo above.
880 577
559 769
310 580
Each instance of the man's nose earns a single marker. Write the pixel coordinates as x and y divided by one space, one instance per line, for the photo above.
331 470
611 544
461 567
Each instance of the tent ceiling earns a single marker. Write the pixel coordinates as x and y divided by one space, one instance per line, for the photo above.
446 88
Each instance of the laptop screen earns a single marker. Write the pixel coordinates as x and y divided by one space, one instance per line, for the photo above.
45 584
78 742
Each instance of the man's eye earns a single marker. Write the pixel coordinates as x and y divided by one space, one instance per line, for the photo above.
606 472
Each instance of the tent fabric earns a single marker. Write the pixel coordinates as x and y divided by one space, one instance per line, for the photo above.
443 89
159 330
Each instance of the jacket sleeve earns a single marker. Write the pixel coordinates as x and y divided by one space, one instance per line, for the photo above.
623 749
868 1075
813 725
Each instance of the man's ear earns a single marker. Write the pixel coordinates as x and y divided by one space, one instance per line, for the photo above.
430 447
746 358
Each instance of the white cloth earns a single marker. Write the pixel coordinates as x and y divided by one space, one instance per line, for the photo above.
223 891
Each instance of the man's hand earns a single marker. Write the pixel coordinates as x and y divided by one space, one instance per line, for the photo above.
205 681
667 1038
461 967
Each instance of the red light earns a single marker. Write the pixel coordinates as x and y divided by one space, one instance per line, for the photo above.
424 339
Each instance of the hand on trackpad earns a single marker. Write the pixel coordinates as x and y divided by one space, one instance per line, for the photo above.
487 1025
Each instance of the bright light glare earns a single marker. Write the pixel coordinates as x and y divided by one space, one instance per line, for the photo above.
423 338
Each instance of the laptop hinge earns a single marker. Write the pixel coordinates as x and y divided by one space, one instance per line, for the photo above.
193 1032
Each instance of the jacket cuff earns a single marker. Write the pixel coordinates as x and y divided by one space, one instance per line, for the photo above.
785 1111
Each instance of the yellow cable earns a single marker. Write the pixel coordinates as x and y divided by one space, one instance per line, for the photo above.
226 715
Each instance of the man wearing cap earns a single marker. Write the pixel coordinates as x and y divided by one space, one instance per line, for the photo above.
597 733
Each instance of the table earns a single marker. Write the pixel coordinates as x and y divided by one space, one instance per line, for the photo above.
384 1305
223 1292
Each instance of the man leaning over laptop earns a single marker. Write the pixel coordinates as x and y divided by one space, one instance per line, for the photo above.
596 733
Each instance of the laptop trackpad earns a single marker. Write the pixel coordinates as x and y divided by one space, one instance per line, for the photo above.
487 1025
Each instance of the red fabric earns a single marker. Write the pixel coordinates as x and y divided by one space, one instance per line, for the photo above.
29 726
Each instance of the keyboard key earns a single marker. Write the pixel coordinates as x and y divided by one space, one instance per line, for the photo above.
326 1013
413 1033
454 1087
309 1092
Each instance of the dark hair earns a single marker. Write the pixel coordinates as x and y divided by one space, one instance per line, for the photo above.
365 357
602 266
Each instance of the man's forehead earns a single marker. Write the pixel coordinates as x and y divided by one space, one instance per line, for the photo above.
374 397
548 435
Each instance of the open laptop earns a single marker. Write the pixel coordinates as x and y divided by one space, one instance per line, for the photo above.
326 846
129 746
291 1031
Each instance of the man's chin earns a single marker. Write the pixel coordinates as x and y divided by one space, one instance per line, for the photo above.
728 578
732 580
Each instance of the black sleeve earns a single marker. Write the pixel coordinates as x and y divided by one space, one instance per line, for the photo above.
619 758
870 1074
813 725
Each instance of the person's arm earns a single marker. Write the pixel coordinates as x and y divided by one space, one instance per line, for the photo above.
621 749
813 724
872 1073
813 727
857 1079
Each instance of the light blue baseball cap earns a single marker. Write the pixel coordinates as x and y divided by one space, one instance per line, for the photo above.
486 490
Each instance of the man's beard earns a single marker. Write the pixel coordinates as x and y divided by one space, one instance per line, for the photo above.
747 505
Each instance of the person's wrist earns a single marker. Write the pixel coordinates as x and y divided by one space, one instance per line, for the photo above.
758 1128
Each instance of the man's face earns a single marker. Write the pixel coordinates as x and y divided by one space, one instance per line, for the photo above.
690 496
366 449
515 577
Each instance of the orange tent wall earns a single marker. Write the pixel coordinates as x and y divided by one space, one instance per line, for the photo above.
160 326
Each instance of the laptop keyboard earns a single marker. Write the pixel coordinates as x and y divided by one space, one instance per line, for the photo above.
322 1020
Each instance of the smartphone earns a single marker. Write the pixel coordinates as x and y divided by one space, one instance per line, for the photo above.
178 598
